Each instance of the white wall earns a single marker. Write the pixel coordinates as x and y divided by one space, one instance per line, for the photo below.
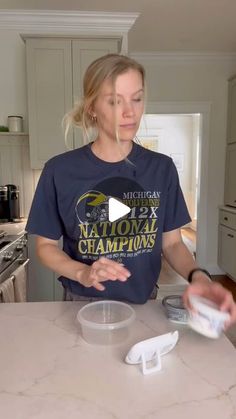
168 79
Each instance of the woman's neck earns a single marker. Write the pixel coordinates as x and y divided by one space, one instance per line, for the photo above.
111 152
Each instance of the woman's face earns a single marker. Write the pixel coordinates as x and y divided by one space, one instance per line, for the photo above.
120 107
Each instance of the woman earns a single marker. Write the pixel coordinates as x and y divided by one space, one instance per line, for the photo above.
120 259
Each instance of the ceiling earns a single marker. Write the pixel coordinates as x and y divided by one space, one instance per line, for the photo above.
163 25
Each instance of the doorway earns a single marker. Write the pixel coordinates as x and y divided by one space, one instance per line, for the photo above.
177 136
196 197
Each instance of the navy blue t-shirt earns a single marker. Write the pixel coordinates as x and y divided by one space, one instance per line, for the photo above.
71 201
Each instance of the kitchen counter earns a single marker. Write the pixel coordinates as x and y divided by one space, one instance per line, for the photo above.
14 228
48 371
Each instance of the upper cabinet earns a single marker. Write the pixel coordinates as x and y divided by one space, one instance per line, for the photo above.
230 167
231 126
84 52
230 175
49 85
227 215
55 70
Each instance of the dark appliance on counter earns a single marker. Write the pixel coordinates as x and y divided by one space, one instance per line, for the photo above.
9 203
3 204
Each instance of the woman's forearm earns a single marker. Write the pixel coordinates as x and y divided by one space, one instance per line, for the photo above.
180 259
89 276
57 260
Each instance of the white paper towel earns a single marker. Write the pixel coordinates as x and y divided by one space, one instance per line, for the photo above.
20 279
7 292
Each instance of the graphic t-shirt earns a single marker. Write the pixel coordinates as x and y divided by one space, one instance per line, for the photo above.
71 201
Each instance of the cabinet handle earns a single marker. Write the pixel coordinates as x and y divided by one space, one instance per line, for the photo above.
230 235
226 218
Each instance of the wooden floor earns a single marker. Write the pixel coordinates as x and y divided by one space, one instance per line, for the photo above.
226 282
222 279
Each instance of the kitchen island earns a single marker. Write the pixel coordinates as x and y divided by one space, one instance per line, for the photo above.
48 371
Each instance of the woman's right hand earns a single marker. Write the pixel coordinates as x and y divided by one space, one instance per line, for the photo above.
100 271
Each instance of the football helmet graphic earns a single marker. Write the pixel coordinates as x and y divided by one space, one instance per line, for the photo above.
92 207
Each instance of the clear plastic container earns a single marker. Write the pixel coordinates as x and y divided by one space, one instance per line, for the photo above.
175 309
106 322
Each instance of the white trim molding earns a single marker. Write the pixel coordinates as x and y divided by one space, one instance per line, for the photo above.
69 23
180 56
63 22
58 21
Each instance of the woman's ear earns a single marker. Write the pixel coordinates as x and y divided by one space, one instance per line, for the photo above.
92 114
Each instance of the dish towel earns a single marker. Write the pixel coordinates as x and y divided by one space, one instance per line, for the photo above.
20 279
7 292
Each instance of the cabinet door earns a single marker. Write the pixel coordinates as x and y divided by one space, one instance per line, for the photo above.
227 250
40 278
231 127
84 52
230 175
43 284
49 73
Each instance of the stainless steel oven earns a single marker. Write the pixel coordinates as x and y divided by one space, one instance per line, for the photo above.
13 252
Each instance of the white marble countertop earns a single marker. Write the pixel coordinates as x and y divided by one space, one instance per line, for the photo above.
48 371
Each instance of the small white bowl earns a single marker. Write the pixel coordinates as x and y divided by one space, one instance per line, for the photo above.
106 322
206 318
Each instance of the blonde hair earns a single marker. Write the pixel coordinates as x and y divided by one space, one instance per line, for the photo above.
109 66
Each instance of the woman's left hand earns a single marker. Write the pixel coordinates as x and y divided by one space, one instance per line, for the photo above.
214 292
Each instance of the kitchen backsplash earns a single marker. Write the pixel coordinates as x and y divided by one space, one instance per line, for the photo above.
15 168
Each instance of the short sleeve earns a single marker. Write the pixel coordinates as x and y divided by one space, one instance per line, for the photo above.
176 213
44 218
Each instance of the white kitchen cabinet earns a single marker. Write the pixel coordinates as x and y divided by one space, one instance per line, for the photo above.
49 85
230 164
43 284
230 175
55 69
83 53
231 125
227 241
227 214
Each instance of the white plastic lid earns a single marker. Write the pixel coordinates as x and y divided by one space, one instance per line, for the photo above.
152 350
208 307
